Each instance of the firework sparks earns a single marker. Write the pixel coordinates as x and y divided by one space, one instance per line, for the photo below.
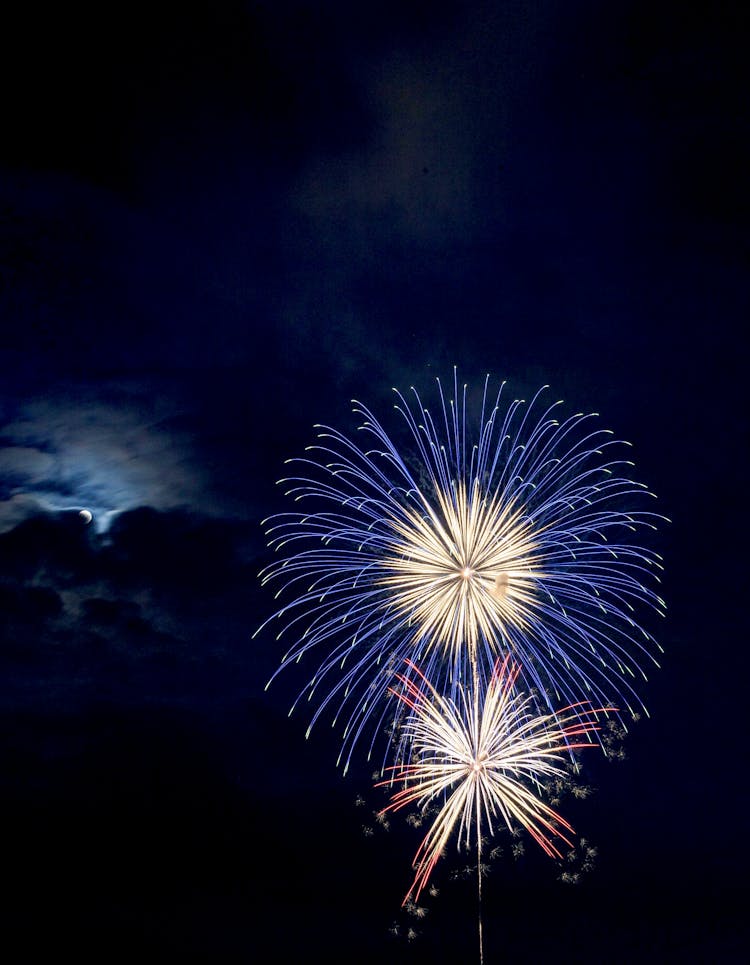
507 533
485 756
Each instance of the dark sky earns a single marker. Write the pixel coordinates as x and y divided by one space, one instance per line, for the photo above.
218 225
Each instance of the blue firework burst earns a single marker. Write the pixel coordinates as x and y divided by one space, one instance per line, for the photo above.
506 530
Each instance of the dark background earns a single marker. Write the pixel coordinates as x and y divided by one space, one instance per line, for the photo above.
217 226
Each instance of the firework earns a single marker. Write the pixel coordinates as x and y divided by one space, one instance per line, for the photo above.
491 531
484 756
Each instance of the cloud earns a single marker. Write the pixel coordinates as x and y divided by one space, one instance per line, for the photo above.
17 508
416 177
26 463
158 609
107 450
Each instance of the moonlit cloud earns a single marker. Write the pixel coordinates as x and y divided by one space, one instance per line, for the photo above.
109 453
25 463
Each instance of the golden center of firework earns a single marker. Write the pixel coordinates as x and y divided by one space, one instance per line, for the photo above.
463 569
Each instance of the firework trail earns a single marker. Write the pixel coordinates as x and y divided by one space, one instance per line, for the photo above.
497 531
485 756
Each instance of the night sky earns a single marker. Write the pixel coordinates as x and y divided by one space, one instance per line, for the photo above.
220 224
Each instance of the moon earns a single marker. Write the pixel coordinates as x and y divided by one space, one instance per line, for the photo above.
86 516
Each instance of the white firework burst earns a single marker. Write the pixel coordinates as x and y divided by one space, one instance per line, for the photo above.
484 758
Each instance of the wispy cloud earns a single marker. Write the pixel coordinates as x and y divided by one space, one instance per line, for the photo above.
107 451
